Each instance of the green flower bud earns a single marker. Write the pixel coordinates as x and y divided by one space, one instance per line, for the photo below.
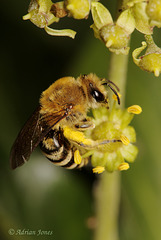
78 9
153 10
151 60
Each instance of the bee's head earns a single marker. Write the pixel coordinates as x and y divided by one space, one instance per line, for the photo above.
95 90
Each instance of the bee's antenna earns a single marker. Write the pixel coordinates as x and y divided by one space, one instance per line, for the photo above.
109 83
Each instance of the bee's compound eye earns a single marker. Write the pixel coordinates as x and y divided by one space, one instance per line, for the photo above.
98 96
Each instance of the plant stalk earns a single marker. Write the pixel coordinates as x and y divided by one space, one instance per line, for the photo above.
108 188
118 73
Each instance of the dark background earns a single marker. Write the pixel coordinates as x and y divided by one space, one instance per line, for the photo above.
40 195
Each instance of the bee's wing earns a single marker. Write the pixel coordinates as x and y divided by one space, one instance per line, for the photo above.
30 136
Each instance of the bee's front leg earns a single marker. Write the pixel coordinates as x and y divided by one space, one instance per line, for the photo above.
79 138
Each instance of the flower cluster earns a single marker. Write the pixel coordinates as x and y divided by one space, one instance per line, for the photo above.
135 14
113 125
150 13
44 12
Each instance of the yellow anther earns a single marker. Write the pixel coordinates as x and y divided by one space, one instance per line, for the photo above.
135 109
115 97
124 140
123 166
98 169
77 157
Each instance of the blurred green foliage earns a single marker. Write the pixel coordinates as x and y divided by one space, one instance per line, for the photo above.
40 195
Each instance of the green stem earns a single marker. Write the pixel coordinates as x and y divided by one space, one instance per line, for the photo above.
149 39
118 72
108 189
107 202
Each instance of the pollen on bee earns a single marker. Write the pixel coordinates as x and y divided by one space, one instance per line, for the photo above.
123 166
135 109
124 140
98 169
77 157
76 136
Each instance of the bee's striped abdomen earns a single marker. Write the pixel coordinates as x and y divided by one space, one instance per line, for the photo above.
59 150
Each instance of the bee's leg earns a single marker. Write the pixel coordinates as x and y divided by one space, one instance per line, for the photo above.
84 125
79 139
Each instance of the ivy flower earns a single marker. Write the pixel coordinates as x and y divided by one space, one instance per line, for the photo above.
139 12
151 60
42 15
114 35
153 10
112 125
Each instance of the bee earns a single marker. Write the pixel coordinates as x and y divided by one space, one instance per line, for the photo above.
58 123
